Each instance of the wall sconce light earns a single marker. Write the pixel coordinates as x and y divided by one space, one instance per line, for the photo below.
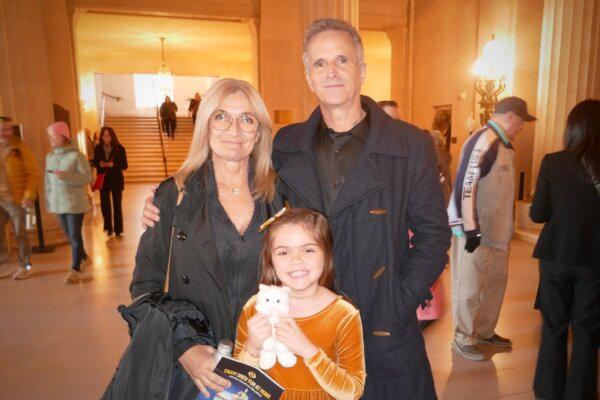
490 80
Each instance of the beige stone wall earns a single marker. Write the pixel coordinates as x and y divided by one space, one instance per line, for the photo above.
528 28
569 69
282 81
518 23
215 9
378 56
26 90
445 48
390 17
449 36
61 60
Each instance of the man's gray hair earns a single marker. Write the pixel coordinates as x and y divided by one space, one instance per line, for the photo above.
331 24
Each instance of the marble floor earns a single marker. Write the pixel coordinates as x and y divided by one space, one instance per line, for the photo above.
64 342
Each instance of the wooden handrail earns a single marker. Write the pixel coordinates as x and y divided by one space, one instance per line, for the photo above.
162 142
117 98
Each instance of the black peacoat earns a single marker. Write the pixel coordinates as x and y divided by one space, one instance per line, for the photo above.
393 187
114 179
195 274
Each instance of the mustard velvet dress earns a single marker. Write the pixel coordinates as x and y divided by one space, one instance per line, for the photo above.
337 371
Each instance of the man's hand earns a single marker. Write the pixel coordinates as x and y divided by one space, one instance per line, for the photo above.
259 328
290 334
110 164
150 214
198 362
472 243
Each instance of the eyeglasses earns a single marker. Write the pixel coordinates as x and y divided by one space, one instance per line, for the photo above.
247 122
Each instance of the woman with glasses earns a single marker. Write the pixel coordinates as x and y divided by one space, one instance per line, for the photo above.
210 212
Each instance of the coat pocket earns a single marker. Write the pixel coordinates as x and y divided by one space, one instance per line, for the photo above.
393 350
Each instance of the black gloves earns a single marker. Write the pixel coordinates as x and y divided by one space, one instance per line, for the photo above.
472 243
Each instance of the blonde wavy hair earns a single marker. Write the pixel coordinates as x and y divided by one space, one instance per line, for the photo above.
263 185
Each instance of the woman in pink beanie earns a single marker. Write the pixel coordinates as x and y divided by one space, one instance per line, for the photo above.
67 175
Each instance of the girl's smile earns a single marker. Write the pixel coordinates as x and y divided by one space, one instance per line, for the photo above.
297 258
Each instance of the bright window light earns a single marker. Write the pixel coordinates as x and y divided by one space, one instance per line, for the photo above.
150 90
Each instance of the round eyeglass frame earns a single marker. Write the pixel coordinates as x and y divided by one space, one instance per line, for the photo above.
214 122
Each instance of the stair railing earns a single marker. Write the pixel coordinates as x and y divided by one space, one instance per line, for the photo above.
162 142
103 105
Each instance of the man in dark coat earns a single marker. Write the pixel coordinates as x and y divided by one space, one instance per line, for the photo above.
375 178
168 115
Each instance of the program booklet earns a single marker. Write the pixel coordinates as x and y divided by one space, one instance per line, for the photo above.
247 383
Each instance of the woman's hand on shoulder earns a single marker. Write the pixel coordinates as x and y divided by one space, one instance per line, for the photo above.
259 329
150 214
198 362
289 333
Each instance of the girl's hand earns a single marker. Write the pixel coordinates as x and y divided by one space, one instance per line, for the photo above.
59 174
290 334
198 362
259 328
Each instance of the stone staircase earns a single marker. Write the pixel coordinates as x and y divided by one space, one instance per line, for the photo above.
177 149
140 136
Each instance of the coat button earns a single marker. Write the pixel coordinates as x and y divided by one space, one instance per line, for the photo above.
181 235
185 279
381 333
378 273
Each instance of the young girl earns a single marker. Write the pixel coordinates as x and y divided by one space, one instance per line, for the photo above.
323 329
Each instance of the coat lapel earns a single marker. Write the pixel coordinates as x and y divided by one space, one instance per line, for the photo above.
300 175
198 231
364 179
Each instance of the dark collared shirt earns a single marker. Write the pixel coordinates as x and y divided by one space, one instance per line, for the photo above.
335 155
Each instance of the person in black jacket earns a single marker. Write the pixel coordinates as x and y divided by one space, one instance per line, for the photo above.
194 106
168 115
569 252
210 214
110 158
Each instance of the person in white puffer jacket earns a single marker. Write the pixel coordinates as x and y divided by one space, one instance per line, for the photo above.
67 175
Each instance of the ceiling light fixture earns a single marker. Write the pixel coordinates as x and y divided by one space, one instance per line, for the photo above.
163 68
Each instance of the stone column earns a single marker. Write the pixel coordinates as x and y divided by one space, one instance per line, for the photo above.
254 32
569 69
60 49
399 71
25 84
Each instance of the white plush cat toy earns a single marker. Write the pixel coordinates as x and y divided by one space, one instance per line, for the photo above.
273 301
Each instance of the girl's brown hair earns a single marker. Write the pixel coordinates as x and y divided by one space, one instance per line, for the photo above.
313 222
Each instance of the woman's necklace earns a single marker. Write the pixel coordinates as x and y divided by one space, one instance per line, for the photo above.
235 190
